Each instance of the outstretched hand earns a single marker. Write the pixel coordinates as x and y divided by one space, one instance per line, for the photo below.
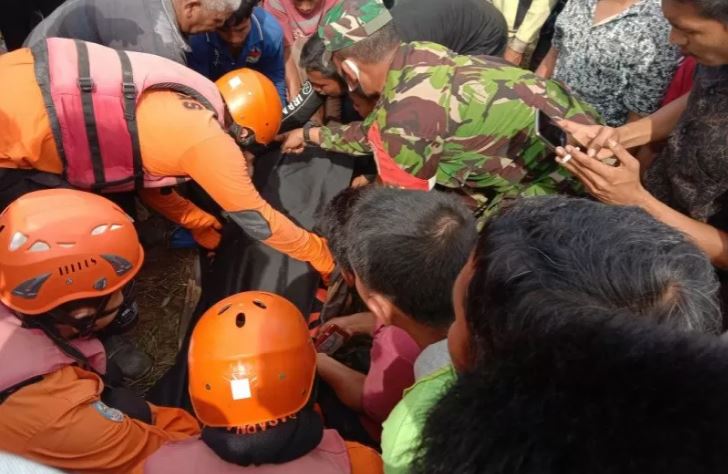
618 185
292 142
592 138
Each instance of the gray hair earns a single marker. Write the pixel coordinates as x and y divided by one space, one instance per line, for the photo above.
600 256
221 5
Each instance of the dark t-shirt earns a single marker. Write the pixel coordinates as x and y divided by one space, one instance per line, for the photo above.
473 27
691 174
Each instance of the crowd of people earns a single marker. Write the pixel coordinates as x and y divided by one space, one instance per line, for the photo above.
524 271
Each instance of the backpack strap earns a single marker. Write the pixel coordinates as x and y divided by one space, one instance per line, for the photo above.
43 79
86 85
128 88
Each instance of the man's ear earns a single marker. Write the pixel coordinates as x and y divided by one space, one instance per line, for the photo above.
350 73
189 7
382 308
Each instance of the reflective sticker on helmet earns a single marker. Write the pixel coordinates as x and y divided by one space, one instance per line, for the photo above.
240 389
235 82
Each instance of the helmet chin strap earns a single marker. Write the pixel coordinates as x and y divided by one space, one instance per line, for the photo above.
237 131
85 325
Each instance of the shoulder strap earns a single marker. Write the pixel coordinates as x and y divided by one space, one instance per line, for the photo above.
5 394
129 90
523 7
43 79
86 85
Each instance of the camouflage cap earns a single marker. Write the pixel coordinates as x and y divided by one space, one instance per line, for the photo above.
351 21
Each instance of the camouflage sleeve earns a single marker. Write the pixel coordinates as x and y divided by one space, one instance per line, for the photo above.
350 138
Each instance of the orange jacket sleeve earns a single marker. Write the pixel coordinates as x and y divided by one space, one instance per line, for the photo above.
177 209
219 167
179 137
61 422
85 441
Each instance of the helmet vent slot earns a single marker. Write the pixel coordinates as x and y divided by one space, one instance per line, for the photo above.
240 320
18 240
76 267
260 304
39 246
223 309
100 230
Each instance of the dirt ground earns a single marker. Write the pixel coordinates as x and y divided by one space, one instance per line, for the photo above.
162 286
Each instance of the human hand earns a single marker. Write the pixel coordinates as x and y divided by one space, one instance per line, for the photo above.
592 137
358 323
292 142
208 237
360 181
513 57
323 262
619 185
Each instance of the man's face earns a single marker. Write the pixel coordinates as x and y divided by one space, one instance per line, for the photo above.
235 35
458 337
324 85
113 305
197 19
306 7
704 38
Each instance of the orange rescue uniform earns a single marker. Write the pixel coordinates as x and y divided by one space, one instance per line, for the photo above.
178 137
58 422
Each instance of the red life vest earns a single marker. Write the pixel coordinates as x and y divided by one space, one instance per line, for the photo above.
91 94
190 456
29 353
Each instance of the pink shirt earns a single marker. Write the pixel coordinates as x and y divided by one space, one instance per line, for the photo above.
392 370
296 26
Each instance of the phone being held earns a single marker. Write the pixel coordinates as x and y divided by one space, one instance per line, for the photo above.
554 136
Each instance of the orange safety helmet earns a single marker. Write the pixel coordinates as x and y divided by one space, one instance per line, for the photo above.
62 245
251 361
253 102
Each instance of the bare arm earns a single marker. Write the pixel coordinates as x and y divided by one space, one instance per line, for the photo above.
347 383
655 127
293 80
712 241
621 185
546 68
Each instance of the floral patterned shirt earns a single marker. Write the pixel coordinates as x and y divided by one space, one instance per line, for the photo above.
622 64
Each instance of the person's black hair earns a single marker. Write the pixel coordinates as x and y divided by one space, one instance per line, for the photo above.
410 246
312 58
244 11
332 223
600 256
711 9
373 48
601 393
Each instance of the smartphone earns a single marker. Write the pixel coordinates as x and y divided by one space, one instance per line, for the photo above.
548 131
330 339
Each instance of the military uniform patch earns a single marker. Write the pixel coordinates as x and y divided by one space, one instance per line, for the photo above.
111 414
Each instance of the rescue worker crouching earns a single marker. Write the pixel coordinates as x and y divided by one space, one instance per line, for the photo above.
65 258
252 368
110 121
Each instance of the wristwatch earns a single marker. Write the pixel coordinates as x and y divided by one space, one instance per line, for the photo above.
307 133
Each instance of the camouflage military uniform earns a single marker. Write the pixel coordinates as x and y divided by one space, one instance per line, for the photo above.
459 122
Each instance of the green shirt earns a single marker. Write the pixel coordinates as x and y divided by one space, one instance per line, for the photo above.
401 431
466 122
